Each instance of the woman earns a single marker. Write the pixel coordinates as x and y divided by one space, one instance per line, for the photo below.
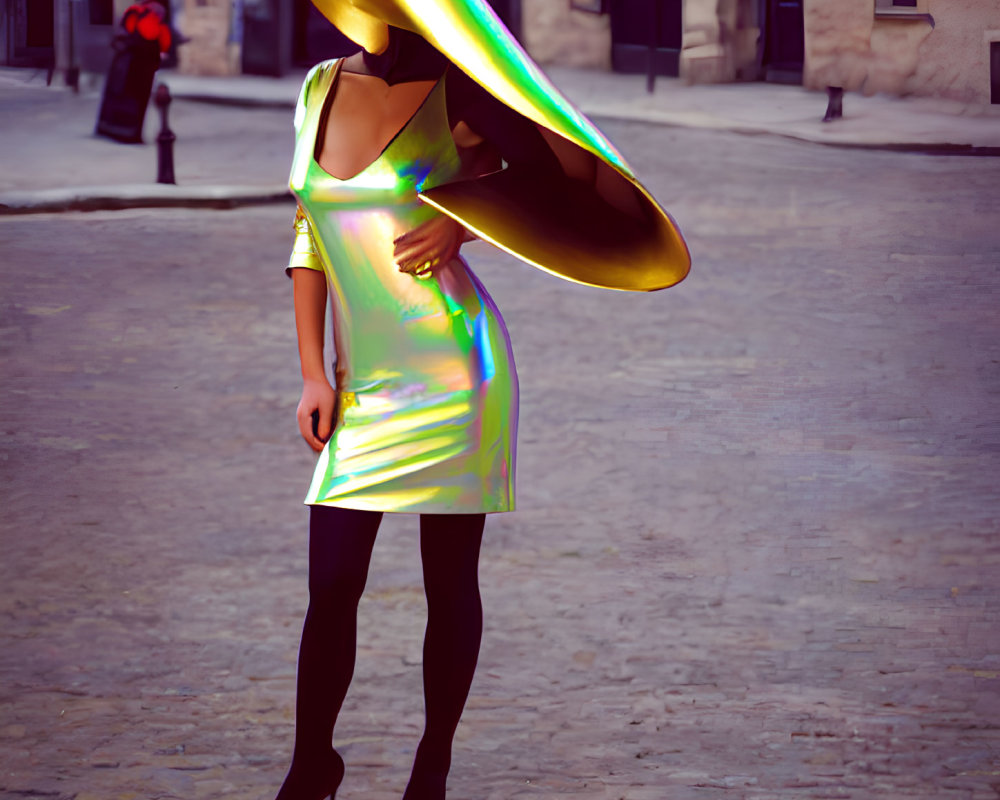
399 153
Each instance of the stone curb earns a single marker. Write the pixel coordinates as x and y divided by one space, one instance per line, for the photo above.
237 101
928 148
113 198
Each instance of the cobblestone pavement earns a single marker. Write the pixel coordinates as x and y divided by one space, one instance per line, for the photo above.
756 551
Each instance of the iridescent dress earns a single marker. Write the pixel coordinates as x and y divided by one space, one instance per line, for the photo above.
426 415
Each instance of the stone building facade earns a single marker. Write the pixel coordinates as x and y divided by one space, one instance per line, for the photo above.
212 28
939 48
555 34
933 48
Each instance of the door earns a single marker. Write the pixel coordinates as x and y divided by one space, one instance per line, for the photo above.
267 37
30 32
509 12
314 38
994 72
784 41
638 26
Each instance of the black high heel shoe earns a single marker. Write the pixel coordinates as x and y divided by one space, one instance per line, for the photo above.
313 783
429 776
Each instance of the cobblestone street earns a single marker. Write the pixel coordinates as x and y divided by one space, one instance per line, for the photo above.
756 549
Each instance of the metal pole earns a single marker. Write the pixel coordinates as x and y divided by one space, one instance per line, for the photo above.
654 41
72 70
165 141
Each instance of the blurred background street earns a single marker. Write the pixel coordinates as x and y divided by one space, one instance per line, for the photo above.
756 548
235 133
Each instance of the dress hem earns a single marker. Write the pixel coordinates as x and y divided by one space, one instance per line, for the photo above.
429 509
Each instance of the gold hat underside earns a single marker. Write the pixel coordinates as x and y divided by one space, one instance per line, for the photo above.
611 233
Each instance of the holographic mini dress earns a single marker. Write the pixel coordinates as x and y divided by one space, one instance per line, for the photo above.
426 416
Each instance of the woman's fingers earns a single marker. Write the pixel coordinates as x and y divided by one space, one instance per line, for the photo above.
434 242
315 413
306 429
418 259
323 419
419 265
414 244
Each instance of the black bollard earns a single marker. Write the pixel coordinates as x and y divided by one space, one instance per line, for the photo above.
72 71
835 104
654 44
165 141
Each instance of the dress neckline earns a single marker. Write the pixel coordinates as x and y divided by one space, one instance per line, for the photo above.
320 134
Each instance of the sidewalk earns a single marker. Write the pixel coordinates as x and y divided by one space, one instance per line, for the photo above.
250 117
916 124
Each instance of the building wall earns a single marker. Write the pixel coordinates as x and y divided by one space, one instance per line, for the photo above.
954 60
720 41
847 46
555 34
207 24
838 42
720 38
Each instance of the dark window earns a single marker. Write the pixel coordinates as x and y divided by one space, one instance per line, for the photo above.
995 72
591 6
40 20
904 3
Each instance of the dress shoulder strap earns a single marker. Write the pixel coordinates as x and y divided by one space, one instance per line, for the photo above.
316 85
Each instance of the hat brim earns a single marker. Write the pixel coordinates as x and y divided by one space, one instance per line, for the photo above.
649 251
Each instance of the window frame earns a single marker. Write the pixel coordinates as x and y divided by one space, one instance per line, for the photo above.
888 9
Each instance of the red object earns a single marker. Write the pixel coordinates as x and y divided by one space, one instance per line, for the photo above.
146 19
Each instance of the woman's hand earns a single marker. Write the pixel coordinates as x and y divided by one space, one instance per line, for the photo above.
429 245
317 395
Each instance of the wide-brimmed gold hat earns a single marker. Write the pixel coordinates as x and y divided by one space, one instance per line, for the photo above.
618 237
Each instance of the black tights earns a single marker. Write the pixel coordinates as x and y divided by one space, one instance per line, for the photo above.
340 547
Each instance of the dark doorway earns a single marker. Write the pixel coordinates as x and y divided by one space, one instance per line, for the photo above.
102 12
637 26
509 12
784 41
994 72
30 32
314 38
267 37
40 21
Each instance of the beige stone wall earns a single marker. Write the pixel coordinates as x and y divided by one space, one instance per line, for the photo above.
838 42
954 60
206 23
847 46
720 41
555 34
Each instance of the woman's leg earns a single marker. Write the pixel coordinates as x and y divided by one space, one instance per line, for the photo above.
449 548
340 548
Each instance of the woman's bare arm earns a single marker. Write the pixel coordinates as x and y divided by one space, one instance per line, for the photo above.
309 288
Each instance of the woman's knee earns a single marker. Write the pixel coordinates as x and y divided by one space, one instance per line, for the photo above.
338 582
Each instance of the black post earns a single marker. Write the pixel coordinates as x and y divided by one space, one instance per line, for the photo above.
835 104
654 42
165 141
72 71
